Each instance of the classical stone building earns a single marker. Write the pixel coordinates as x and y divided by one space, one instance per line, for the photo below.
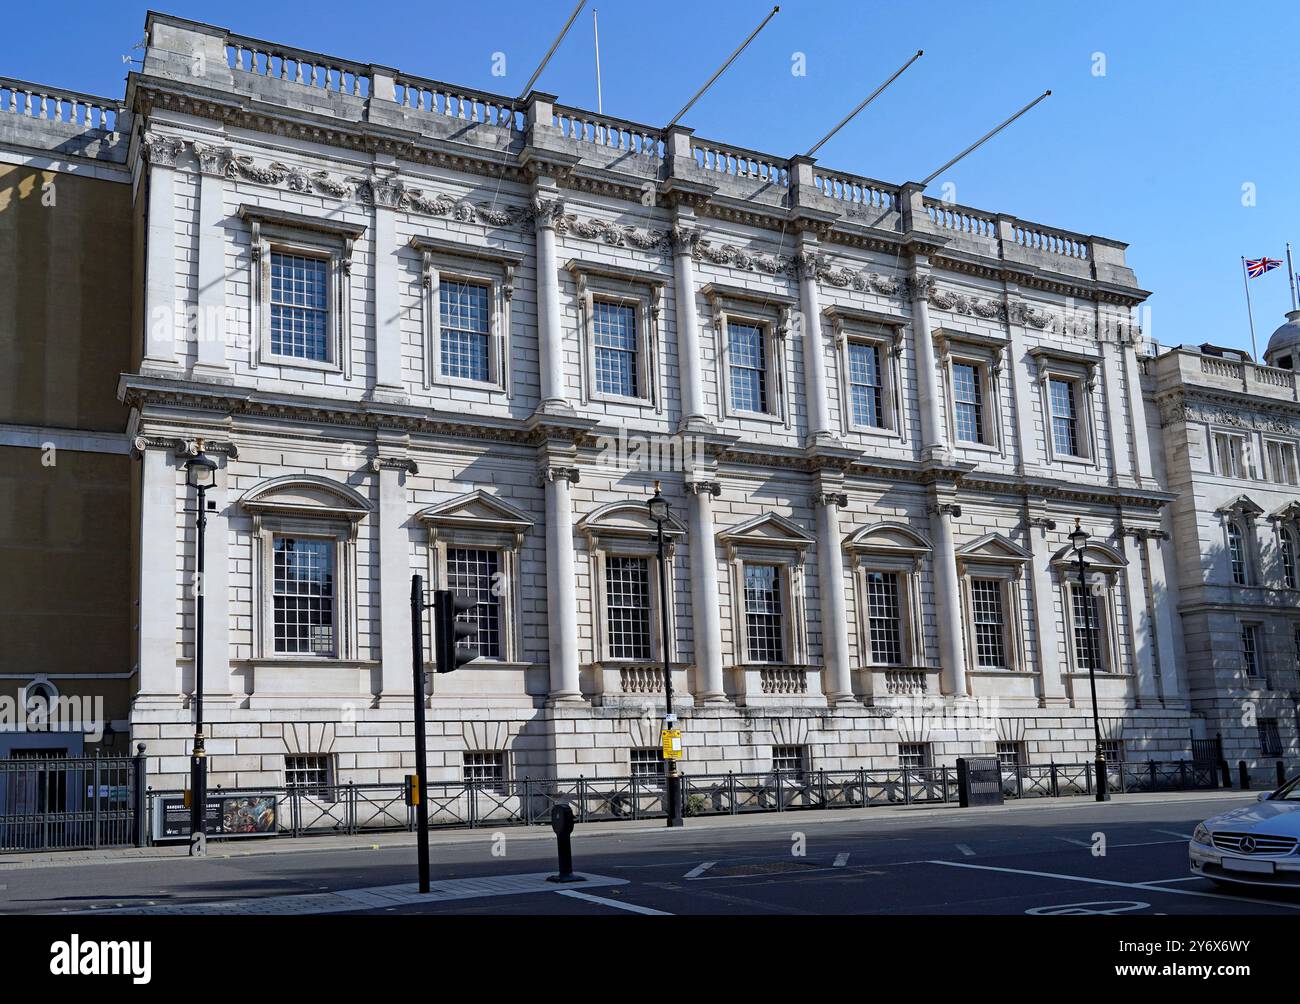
429 329
1231 433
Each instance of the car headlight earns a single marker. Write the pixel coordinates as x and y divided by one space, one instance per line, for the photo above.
1201 835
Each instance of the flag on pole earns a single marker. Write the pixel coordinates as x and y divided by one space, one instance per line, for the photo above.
1255 267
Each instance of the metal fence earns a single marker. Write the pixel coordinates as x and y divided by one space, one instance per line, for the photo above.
71 803
356 808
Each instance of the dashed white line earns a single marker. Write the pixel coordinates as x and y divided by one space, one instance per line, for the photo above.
699 870
1171 833
841 859
966 850
630 907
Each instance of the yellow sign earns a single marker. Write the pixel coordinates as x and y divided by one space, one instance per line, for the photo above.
672 743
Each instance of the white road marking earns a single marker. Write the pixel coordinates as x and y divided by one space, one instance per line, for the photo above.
631 907
841 859
699 870
1077 843
966 850
1123 885
1171 833
1187 878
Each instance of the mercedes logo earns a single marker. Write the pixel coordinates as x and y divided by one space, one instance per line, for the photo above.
1248 844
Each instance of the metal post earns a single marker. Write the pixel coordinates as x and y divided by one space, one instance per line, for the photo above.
1243 775
673 794
417 692
1281 773
140 797
199 760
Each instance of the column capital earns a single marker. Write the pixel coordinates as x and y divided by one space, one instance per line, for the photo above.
559 472
160 150
947 510
213 160
827 498
392 463
704 487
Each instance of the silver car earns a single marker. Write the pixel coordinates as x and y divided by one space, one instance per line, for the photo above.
1254 845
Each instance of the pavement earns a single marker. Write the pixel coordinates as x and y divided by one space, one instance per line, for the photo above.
1127 856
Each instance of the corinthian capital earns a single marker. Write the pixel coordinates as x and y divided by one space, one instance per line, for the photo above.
162 150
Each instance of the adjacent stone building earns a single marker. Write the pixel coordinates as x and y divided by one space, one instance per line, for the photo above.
429 329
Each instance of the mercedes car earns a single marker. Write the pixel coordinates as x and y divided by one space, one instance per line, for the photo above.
1254 845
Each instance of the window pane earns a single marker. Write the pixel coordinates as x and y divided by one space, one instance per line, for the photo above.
1065 426
299 306
486 769
1250 648
615 341
1011 754
464 329
1237 554
968 402
866 389
473 572
913 756
648 764
1087 627
304 596
790 761
748 367
763 613
883 619
990 636
312 772
627 605
1288 558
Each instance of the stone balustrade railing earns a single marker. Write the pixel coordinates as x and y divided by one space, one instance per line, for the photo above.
741 163
311 69
1187 365
971 222
906 681
19 97
1058 242
605 131
437 98
860 191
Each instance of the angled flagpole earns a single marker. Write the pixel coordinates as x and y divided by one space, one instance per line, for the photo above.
551 52
985 138
1250 313
595 28
870 98
1290 268
721 70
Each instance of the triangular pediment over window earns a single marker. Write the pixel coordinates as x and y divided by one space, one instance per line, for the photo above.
476 510
307 495
626 519
1096 555
1288 513
888 538
993 547
768 530
1242 505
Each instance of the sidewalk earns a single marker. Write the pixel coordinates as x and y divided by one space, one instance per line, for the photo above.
378 841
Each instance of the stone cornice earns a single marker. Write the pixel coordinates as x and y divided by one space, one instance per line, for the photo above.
1216 406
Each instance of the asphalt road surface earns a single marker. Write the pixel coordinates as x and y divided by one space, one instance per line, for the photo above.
1128 856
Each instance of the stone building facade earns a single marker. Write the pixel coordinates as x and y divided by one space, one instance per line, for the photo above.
429 329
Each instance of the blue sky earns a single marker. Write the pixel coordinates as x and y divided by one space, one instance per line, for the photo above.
1195 103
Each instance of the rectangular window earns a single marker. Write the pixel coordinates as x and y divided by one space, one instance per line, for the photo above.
303 596
866 384
913 756
314 773
790 761
1229 455
486 769
1065 418
883 618
1296 640
968 402
647 764
1086 614
1282 463
1270 740
763 613
1011 754
627 607
615 338
1287 547
474 572
299 306
464 326
747 347
1237 554
1250 648
990 623
1113 750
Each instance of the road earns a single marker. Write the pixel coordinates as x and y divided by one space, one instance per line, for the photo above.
1069 856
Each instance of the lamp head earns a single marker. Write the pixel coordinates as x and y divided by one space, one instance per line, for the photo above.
658 506
200 469
1078 538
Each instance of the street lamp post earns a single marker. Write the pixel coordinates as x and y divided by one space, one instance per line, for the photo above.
1079 541
201 475
659 512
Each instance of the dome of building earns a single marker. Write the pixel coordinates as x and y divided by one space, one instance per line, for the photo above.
1284 345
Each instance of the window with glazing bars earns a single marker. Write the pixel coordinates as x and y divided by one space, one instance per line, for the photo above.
647 764
968 402
913 756
627 607
464 325
1065 421
303 596
866 385
883 618
763 614
299 306
487 769
614 330
1011 753
473 572
1270 739
790 761
748 349
312 772
1086 612
1282 462
1237 554
1113 750
1227 449
990 623
1287 540
1250 648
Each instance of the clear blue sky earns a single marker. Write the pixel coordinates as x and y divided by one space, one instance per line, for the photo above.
1197 100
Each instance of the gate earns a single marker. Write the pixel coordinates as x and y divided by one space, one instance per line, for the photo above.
1206 756
67 803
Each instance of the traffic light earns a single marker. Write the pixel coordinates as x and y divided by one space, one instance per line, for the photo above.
449 632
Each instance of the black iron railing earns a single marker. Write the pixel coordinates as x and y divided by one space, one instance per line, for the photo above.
71 803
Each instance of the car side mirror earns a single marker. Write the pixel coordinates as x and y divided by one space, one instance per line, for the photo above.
1263 796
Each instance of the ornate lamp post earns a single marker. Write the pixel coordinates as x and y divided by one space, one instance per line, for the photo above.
201 475
659 512
1079 541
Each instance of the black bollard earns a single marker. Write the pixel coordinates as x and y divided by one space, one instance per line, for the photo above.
562 824
1281 773
1226 771
1243 775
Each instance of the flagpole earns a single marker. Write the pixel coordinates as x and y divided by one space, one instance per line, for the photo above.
595 28
1290 270
1250 313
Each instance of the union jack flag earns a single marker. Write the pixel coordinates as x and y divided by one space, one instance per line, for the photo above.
1255 267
